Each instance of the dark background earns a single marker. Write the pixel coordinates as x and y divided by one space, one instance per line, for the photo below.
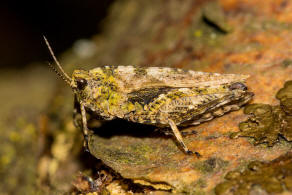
22 24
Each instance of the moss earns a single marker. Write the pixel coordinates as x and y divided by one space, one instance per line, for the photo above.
272 177
287 62
285 97
18 157
141 149
210 165
267 122
124 157
263 125
133 154
195 188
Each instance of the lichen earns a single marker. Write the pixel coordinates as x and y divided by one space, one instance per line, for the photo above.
210 165
273 177
266 122
287 62
263 124
285 97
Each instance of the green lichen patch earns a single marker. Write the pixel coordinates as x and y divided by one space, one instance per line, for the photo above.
285 97
287 62
210 165
287 129
273 177
263 124
132 155
267 122
18 156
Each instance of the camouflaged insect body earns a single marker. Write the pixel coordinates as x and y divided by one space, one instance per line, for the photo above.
158 96
154 95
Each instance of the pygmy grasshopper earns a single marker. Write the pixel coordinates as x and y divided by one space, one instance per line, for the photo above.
160 96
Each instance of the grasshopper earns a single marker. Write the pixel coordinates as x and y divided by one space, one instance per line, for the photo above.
159 96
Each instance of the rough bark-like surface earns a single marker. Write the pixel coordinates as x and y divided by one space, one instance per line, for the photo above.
188 37
226 36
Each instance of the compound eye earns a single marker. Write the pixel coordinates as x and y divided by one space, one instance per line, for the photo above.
81 84
238 85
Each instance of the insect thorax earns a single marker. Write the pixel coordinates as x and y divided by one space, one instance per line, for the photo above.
98 91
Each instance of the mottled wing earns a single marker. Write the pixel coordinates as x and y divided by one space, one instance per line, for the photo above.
131 78
134 78
158 93
185 105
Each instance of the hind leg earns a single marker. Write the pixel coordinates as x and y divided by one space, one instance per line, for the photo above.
184 132
179 138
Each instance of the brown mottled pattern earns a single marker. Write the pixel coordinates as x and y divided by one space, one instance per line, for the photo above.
162 93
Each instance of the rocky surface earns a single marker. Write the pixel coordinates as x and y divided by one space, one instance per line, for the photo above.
226 36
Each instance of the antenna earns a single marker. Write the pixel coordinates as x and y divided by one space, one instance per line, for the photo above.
58 73
63 75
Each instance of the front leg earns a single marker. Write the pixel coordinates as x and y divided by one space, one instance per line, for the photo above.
84 126
80 122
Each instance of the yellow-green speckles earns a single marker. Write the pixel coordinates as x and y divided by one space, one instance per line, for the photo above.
114 99
14 136
176 94
141 149
128 107
210 90
271 177
111 80
125 157
97 72
163 97
198 33
128 92
138 107
101 91
267 122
